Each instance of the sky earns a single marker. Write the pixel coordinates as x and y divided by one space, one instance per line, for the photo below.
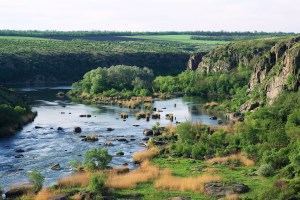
151 15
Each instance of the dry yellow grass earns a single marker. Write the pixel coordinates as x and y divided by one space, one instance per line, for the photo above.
75 180
243 159
143 174
212 104
46 194
232 197
170 128
76 197
211 170
145 155
196 184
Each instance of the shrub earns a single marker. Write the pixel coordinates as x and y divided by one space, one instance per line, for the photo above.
96 183
199 150
96 159
265 170
37 179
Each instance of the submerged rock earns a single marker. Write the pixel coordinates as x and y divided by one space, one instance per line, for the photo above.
19 150
19 156
77 129
56 167
148 132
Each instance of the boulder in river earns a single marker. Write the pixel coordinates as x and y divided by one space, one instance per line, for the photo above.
19 150
148 132
156 116
110 129
108 144
77 129
55 166
60 94
60 129
120 153
156 132
122 140
124 115
38 127
213 117
140 115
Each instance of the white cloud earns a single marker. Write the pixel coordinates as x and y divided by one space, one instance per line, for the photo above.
153 15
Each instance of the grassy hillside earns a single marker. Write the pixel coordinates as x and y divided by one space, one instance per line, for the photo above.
48 60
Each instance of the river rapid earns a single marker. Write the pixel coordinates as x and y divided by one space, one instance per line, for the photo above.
46 146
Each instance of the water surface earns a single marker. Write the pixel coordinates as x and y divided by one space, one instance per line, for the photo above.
46 146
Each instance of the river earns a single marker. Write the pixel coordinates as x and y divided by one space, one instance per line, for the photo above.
46 146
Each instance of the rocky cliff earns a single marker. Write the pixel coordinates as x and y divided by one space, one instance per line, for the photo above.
275 65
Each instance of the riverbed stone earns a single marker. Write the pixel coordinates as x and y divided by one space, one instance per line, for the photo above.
56 166
77 129
148 132
19 150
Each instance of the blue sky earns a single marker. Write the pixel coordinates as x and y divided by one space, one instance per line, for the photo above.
151 15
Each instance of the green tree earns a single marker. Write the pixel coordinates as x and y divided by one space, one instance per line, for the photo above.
96 159
37 179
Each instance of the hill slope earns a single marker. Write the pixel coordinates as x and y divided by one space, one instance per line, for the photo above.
275 65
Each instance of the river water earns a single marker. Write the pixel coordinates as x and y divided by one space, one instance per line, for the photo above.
47 146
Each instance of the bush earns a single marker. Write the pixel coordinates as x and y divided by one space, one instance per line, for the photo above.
96 183
199 150
37 179
96 159
265 170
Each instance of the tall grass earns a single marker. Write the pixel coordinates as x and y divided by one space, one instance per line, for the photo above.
232 197
243 159
46 194
143 174
170 128
75 180
145 155
196 184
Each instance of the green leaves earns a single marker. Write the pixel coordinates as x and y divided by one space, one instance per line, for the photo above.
37 179
96 159
117 78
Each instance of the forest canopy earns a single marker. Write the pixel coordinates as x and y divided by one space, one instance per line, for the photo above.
118 78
